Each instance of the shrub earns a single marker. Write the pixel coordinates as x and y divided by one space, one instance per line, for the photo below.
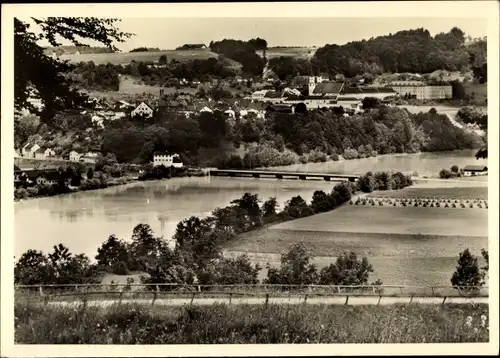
467 272
350 154
444 174
32 191
21 193
335 157
454 169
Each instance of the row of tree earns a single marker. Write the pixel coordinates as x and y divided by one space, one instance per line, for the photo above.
243 52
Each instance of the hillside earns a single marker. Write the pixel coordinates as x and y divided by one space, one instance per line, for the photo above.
124 58
413 51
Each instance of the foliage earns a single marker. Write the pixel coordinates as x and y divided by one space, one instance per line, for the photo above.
58 267
250 324
241 51
347 270
295 268
467 272
113 254
414 51
230 272
296 208
444 174
41 76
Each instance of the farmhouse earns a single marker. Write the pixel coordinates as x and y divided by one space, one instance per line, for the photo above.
167 160
473 170
29 150
143 110
41 177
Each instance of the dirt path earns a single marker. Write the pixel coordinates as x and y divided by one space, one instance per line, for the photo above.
338 300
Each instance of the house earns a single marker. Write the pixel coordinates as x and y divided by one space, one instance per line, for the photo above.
39 153
74 156
473 170
143 110
41 177
419 90
90 157
168 160
206 109
49 153
29 150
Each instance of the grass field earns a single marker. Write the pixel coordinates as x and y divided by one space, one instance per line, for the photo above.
395 220
223 324
123 58
445 192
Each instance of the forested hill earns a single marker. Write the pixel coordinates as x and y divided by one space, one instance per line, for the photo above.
414 51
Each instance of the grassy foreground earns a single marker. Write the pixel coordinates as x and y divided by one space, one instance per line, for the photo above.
223 324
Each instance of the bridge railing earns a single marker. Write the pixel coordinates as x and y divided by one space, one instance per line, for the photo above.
155 291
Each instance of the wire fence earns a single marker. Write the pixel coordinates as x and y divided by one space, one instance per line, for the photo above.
182 291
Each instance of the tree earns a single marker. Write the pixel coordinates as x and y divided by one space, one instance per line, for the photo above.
248 210
347 270
112 254
162 60
90 173
322 202
41 76
295 268
371 102
32 268
467 273
269 210
296 207
145 248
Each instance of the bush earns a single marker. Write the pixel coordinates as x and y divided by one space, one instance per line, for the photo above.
467 272
21 193
350 154
455 169
444 174
335 157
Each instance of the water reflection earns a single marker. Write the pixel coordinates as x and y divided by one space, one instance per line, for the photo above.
82 221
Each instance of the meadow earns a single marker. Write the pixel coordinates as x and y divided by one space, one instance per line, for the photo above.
445 192
124 58
246 324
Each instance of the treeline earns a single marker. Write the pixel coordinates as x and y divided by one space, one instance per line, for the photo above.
242 52
284 139
287 67
106 77
145 49
414 51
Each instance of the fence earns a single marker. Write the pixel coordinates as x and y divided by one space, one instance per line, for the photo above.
265 292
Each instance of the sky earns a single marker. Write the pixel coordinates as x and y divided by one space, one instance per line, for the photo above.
169 33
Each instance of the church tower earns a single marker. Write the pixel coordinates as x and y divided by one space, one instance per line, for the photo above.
312 84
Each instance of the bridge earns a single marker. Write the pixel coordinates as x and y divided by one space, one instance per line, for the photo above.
281 174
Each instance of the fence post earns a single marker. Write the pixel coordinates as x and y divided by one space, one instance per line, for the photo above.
432 289
379 298
41 291
192 298
267 299
230 295
305 298
346 300
444 299
411 299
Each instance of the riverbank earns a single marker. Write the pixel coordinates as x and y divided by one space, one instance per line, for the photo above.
249 324
124 180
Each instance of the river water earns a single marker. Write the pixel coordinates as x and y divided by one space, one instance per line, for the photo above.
82 221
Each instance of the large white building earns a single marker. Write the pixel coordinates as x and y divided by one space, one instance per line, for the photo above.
168 160
419 90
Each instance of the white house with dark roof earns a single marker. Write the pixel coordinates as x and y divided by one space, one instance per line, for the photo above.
143 110
473 170
74 156
168 160
29 150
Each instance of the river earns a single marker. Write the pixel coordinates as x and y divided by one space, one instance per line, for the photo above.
82 221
